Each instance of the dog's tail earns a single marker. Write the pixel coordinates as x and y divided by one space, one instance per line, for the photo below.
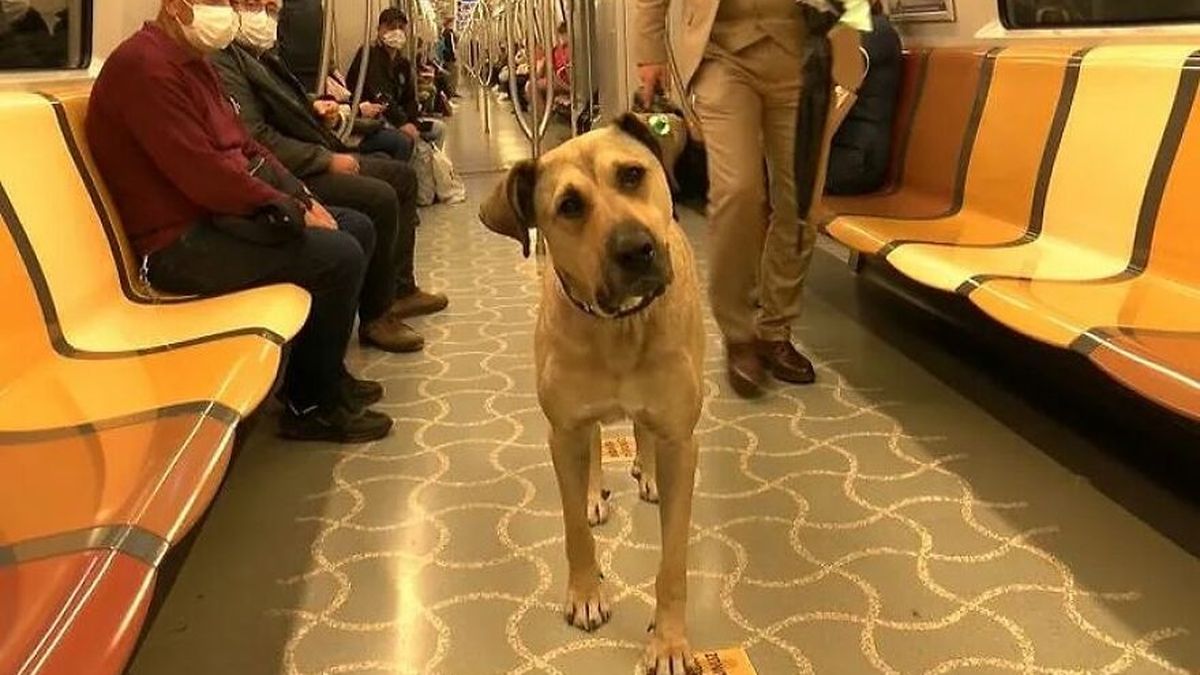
813 117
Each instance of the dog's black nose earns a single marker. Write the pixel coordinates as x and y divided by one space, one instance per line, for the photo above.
633 249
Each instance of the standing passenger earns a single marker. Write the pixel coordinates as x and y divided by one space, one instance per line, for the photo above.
199 198
740 61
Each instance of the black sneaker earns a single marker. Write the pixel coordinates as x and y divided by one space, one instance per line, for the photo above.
360 394
333 424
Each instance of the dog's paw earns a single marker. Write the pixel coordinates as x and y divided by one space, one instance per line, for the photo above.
647 485
669 656
587 610
598 507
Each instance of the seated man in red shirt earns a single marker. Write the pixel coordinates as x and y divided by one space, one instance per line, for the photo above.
211 211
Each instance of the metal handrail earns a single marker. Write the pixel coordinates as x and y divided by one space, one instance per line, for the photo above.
513 89
356 100
548 67
329 28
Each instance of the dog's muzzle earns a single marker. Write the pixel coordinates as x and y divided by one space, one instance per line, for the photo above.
637 267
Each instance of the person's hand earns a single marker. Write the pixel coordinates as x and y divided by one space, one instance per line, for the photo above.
371 110
652 75
412 131
342 163
319 217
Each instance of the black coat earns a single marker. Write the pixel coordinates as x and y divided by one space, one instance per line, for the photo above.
389 83
300 26
277 111
862 147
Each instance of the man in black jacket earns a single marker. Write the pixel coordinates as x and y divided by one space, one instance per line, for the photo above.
278 113
389 81
862 147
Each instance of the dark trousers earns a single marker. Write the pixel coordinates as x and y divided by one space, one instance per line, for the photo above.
329 264
387 192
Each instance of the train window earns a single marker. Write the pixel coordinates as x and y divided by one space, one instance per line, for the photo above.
45 34
1084 13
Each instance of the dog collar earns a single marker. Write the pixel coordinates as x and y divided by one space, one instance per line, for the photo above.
592 310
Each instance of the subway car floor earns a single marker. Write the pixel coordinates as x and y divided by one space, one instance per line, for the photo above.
886 519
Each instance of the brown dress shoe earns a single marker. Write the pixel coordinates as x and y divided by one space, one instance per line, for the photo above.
390 334
418 303
786 363
745 370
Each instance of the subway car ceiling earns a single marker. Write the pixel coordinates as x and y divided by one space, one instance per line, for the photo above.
70 38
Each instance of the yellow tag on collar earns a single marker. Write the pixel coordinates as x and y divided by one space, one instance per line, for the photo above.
858 15
660 125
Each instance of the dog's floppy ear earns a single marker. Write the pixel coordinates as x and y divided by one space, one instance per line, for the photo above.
633 125
509 210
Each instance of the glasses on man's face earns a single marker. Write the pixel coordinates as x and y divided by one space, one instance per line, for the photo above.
268 6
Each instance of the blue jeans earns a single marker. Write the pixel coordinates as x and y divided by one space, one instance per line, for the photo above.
391 142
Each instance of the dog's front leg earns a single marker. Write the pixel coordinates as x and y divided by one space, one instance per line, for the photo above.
645 465
597 494
586 607
669 652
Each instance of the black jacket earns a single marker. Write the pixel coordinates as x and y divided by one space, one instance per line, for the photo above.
276 110
300 26
862 147
389 83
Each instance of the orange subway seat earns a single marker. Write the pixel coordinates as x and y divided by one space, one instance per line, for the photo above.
1160 290
66 234
156 471
53 385
1029 95
1162 366
933 153
1097 186
75 613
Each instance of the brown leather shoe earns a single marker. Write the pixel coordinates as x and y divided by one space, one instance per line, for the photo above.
418 303
786 363
745 370
390 334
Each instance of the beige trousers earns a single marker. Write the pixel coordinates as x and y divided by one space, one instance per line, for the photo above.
759 252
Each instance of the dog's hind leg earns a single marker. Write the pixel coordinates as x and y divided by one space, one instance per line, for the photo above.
645 466
668 652
597 494
586 607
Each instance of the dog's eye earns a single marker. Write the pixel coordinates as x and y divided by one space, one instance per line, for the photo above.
631 176
571 205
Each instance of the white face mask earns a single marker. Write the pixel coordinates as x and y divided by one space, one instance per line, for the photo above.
213 28
396 39
259 30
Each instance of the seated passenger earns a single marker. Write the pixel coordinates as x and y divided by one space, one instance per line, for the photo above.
211 211
560 57
278 114
389 79
380 137
862 147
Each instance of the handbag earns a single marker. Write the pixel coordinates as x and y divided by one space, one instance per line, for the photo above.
275 224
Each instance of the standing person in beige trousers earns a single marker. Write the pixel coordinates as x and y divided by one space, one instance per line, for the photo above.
741 62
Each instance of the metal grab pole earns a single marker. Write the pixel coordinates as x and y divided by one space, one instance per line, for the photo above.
330 27
485 101
548 69
356 100
572 38
536 128
513 89
410 10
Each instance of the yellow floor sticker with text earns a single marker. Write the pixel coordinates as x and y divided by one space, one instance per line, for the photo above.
725 662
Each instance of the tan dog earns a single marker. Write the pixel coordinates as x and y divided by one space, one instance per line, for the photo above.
619 335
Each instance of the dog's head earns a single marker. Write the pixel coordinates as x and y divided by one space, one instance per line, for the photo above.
604 208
